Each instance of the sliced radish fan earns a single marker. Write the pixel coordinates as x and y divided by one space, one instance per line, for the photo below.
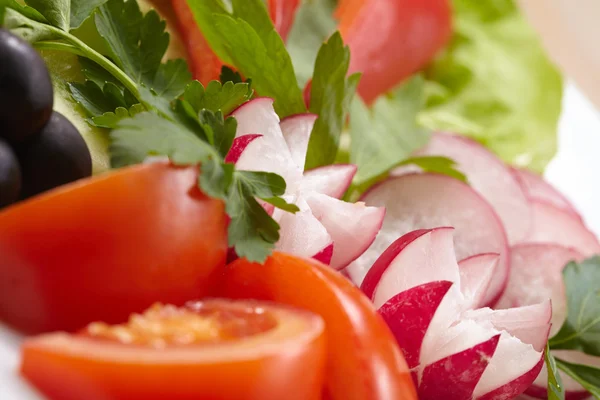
327 229
489 176
424 201
454 352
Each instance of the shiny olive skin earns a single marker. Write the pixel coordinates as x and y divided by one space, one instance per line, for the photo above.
57 155
26 94
10 175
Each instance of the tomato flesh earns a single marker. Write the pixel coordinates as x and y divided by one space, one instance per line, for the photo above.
392 39
364 361
214 350
108 246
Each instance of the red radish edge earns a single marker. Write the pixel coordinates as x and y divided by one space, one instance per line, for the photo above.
238 146
369 284
254 100
325 255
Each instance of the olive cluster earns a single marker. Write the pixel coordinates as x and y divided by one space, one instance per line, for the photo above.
39 148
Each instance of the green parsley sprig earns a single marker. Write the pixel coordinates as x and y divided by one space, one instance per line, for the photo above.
153 107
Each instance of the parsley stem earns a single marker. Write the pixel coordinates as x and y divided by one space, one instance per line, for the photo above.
58 46
109 66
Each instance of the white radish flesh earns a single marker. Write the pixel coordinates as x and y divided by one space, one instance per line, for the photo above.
296 131
352 226
422 201
331 180
476 274
488 175
553 225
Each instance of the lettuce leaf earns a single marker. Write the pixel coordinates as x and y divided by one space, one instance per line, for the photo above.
496 84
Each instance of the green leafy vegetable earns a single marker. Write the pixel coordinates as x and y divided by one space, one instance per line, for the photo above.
588 377
387 133
313 24
65 14
581 330
254 47
225 97
556 391
495 83
331 94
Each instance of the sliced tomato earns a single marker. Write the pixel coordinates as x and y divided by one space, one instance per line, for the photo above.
214 350
391 39
364 361
205 64
282 14
108 246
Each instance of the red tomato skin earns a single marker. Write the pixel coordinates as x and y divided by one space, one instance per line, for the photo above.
390 40
365 362
103 248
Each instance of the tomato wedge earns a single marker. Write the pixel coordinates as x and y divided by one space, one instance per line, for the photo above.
213 350
282 14
391 39
364 361
105 247
204 63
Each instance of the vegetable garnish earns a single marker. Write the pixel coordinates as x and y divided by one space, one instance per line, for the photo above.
140 96
556 391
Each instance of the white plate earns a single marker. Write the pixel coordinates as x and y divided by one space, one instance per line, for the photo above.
574 171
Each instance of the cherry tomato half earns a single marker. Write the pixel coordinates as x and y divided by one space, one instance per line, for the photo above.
364 361
214 350
102 248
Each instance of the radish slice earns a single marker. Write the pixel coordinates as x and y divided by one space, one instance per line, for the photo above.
446 378
529 324
488 175
414 308
538 189
269 153
238 146
352 226
301 233
418 201
296 132
553 225
331 180
536 276
476 274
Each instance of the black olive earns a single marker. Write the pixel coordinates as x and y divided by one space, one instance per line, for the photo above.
57 155
10 175
26 95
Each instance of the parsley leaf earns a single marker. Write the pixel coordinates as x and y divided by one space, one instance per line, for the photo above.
586 376
253 47
436 164
331 94
216 96
137 44
581 329
386 134
268 187
65 14
26 11
556 391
